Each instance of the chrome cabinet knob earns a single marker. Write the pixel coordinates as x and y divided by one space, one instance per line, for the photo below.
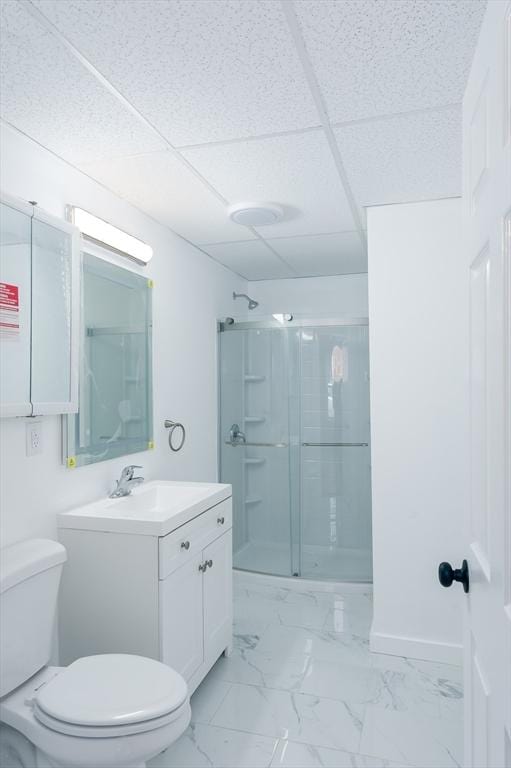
185 545
202 567
209 563
220 520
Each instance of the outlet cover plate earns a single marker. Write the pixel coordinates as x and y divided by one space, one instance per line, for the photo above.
34 437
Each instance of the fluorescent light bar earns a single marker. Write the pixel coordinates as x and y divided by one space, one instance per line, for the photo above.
105 234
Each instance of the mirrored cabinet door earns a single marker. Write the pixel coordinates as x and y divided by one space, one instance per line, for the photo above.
15 307
115 414
39 311
54 317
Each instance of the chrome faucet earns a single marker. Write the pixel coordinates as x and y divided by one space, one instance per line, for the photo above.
236 435
126 482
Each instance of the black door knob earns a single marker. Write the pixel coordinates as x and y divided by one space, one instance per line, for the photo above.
447 574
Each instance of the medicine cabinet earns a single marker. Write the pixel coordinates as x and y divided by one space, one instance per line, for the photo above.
115 409
39 308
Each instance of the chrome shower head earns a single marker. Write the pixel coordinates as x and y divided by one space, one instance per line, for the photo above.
252 303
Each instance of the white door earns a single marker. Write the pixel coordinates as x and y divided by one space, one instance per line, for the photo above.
487 224
218 596
181 618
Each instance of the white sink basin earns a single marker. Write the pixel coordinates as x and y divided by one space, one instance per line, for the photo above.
152 509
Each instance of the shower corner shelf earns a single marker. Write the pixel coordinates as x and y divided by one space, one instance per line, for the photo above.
254 461
253 501
254 419
253 377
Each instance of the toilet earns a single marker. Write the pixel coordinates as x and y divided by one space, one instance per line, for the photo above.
104 711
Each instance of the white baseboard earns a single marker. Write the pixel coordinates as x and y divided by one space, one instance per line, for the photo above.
415 648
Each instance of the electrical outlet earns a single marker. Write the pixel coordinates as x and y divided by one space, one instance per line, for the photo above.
34 436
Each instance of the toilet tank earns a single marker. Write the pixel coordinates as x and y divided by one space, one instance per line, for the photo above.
29 585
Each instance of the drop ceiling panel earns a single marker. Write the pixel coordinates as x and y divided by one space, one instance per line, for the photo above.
48 95
375 57
296 171
403 159
199 71
252 260
339 253
161 185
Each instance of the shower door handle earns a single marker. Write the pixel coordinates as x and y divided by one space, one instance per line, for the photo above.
335 445
234 444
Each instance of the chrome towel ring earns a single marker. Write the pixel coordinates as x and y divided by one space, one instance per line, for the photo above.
172 425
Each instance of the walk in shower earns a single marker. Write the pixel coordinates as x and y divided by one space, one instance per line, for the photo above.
294 444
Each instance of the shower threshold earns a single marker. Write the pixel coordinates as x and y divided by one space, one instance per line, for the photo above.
319 564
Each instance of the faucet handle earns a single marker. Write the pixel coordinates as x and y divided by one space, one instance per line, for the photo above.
129 471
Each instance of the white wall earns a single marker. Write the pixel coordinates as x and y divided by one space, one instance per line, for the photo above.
418 325
338 296
191 291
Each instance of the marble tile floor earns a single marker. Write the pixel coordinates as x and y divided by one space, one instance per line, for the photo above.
301 689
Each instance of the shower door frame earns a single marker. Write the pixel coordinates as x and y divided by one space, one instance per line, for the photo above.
295 501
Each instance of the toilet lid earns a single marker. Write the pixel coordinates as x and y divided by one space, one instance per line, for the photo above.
112 689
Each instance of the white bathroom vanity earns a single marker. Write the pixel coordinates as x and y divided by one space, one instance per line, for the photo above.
150 574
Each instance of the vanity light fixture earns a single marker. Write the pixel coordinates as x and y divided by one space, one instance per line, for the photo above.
102 233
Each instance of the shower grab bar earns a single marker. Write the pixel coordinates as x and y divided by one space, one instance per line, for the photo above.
234 444
336 445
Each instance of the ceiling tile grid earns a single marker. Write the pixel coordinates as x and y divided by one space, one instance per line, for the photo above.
199 71
162 185
296 170
46 93
336 253
184 106
403 158
252 259
374 57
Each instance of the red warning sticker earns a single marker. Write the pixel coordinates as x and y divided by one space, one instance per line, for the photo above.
9 311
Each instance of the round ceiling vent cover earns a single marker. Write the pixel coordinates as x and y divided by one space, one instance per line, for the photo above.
255 214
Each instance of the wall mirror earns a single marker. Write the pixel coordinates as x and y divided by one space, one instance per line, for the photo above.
115 394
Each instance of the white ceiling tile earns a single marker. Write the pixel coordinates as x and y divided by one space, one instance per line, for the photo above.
339 253
403 159
162 186
48 95
296 171
376 57
252 260
199 71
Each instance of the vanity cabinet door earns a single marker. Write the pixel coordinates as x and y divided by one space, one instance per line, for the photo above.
218 595
181 606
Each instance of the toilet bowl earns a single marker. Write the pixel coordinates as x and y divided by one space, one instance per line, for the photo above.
86 714
103 711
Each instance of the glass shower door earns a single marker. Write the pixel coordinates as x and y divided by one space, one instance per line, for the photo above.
254 446
335 485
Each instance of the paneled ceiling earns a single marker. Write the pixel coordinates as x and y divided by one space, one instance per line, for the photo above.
183 107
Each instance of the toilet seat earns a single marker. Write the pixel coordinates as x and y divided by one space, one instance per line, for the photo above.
111 695
105 731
